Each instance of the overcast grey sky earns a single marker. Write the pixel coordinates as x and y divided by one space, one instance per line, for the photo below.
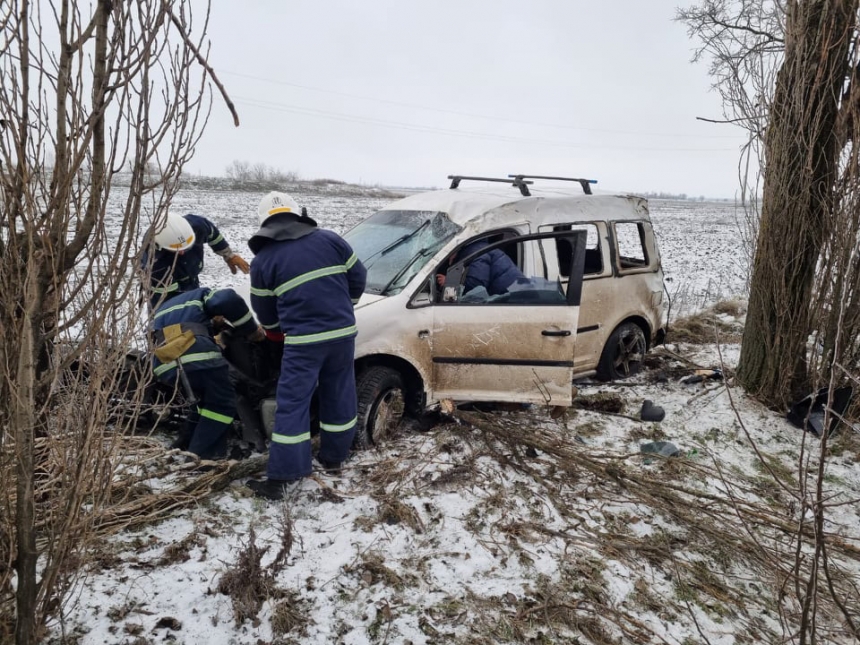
404 93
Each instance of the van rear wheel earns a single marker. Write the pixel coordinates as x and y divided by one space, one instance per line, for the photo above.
623 354
381 404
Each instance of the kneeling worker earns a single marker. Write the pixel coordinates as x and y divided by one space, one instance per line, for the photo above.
304 283
184 339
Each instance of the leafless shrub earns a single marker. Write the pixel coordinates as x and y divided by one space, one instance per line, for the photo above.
247 582
287 536
259 175
78 104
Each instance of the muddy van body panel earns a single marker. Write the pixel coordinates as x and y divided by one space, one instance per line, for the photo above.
478 355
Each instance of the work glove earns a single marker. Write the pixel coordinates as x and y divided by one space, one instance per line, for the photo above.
236 261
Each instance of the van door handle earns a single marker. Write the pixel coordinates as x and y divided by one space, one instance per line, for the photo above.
555 332
424 333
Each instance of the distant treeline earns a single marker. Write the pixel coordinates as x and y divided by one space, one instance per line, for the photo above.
682 196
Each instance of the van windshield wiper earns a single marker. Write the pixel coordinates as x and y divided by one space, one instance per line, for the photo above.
425 251
398 242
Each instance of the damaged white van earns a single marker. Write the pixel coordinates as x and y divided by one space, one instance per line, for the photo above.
501 292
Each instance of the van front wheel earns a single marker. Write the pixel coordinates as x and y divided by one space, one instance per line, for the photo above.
381 403
623 354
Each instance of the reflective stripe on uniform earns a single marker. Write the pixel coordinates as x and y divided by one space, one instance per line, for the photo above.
215 416
351 261
330 427
171 287
291 439
188 358
307 277
216 240
187 303
261 292
323 336
241 320
272 326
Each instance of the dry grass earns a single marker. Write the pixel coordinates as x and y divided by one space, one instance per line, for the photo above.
600 402
391 511
372 569
707 555
290 616
181 551
705 327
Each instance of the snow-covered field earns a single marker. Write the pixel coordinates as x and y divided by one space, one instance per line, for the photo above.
510 526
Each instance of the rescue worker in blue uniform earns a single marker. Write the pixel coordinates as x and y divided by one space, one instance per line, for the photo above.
178 258
184 339
494 270
304 284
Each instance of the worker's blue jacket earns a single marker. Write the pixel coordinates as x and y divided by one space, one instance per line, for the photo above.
304 281
174 273
493 270
198 307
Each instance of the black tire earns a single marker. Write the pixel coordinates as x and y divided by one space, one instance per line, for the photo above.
381 404
623 354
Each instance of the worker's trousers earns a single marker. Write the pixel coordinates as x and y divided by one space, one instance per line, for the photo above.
304 367
209 422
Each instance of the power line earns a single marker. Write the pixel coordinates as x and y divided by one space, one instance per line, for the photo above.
475 115
351 118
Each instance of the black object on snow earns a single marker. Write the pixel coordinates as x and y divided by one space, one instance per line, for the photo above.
651 412
662 448
808 413
701 375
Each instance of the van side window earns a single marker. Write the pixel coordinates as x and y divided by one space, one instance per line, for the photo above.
630 237
593 255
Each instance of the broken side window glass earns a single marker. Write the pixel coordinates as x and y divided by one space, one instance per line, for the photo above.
630 240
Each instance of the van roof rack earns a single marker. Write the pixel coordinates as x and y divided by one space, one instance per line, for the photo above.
585 183
516 181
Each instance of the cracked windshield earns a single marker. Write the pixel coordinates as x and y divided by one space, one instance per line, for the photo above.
395 245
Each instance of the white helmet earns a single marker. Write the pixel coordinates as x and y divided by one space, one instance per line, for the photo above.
275 203
177 234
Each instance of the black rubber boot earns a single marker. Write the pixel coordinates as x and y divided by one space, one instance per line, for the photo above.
332 467
273 489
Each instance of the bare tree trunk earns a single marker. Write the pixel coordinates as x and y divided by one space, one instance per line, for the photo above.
802 155
25 425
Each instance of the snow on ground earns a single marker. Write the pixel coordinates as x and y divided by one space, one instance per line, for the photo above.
509 527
